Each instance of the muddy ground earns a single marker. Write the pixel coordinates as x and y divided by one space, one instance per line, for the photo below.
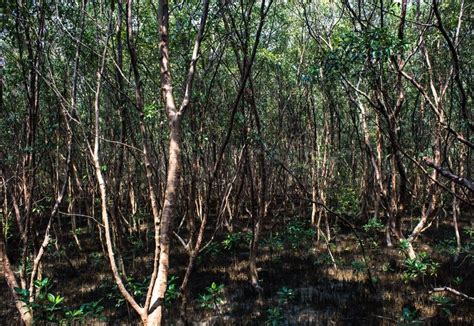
317 289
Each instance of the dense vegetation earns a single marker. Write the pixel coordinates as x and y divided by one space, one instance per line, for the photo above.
237 162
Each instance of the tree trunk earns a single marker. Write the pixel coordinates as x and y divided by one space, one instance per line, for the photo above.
25 312
169 208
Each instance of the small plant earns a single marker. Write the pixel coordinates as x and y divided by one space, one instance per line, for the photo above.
212 298
410 316
457 280
404 245
358 266
419 266
387 268
274 242
285 295
111 292
28 267
87 310
46 306
95 258
137 288
373 225
231 242
447 246
298 233
444 303
172 291
348 201
274 316
469 233
213 249
49 307
322 260
54 306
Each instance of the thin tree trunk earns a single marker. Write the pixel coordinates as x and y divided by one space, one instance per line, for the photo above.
174 163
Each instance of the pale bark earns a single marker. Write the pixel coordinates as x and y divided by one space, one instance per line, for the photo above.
103 196
25 312
174 160
152 193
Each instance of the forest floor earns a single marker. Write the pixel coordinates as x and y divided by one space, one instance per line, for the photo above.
302 284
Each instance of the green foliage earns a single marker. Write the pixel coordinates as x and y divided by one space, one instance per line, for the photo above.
348 201
358 266
322 260
86 311
457 280
28 267
298 233
274 242
373 225
137 243
445 304
420 266
6 224
137 288
285 295
306 105
48 307
95 258
150 111
469 232
172 290
213 249
38 209
212 298
468 246
404 245
274 316
449 246
353 50
233 240
387 268
410 316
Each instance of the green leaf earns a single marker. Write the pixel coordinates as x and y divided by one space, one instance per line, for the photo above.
51 298
58 299
22 292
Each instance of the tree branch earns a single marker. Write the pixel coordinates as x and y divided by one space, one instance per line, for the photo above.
451 176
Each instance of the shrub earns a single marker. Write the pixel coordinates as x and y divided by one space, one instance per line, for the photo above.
285 295
410 316
298 233
274 316
373 225
85 311
231 241
444 303
358 266
212 298
50 308
420 266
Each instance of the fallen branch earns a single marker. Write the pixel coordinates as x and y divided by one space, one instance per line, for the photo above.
453 291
